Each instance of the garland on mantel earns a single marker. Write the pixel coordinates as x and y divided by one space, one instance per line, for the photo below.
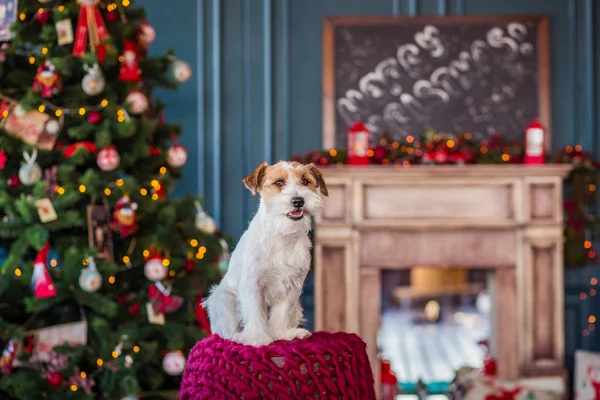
581 225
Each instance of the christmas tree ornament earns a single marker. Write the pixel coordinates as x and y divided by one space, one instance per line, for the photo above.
202 315
8 357
43 286
134 309
90 24
8 17
179 71
3 159
30 172
153 317
72 148
161 299
176 156
100 235
358 144
94 117
54 379
43 16
46 210
174 363
93 82
108 159
189 265
139 102
90 279
51 182
154 269
47 81
146 35
124 217
203 221
224 259
64 32
111 16
13 181
130 70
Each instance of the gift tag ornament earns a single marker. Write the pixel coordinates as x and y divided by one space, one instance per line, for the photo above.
108 159
154 268
93 82
30 172
47 81
124 217
161 299
177 156
174 363
90 279
138 101
43 286
203 221
179 71
46 210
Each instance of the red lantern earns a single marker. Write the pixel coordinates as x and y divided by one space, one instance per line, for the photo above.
389 382
358 144
535 143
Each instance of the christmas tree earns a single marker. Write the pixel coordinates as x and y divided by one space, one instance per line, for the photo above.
101 273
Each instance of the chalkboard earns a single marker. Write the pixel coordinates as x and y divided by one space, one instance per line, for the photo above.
404 75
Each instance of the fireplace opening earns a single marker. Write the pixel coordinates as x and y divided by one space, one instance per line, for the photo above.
433 322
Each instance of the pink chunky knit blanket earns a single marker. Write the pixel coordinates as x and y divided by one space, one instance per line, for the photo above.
323 366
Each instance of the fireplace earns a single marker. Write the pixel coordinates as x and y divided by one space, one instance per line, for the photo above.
506 218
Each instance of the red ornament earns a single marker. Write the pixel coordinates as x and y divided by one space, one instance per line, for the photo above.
125 217
43 16
108 158
43 285
535 143
101 53
161 299
189 265
134 309
89 22
389 382
13 181
54 379
111 16
3 159
71 149
130 71
358 144
47 81
94 117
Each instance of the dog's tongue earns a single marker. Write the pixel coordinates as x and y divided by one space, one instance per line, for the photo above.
296 213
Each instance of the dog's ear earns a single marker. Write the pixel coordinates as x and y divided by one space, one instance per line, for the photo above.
314 171
254 181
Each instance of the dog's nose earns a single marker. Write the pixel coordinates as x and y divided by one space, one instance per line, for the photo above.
297 202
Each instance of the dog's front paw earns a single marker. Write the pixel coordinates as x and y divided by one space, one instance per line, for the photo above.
253 339
296 333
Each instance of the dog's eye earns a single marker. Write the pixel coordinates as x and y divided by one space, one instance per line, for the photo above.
304 181
279 183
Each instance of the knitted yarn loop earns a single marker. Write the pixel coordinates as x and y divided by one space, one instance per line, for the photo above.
322 366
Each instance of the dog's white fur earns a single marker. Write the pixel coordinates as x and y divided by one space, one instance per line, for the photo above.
257 301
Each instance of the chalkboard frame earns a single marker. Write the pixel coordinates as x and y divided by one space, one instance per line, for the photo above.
541 22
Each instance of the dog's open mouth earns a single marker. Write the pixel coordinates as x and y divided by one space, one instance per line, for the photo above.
295 214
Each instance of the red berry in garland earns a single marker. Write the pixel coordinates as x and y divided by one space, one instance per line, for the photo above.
54 379
43 16
13 181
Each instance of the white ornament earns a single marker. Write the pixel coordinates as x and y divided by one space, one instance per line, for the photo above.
224 260
139 102
154 269
90 279
180 71
52 127
93 82
108 159
203 221
147 34
174 363
176 156
30 172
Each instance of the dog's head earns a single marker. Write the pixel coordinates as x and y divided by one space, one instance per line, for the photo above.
289 193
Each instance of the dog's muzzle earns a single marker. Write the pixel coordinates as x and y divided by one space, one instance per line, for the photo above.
297 212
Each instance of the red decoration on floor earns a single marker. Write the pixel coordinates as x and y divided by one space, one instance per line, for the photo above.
324 365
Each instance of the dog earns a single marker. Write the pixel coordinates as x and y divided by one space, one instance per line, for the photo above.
257 301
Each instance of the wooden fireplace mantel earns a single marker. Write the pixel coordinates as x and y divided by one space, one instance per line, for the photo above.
507 218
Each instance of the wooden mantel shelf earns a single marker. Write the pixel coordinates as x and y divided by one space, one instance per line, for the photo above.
470 170
506 218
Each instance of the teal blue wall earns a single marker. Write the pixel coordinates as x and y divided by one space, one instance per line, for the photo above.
256 92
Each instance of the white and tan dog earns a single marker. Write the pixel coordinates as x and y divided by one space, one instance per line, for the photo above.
257 301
